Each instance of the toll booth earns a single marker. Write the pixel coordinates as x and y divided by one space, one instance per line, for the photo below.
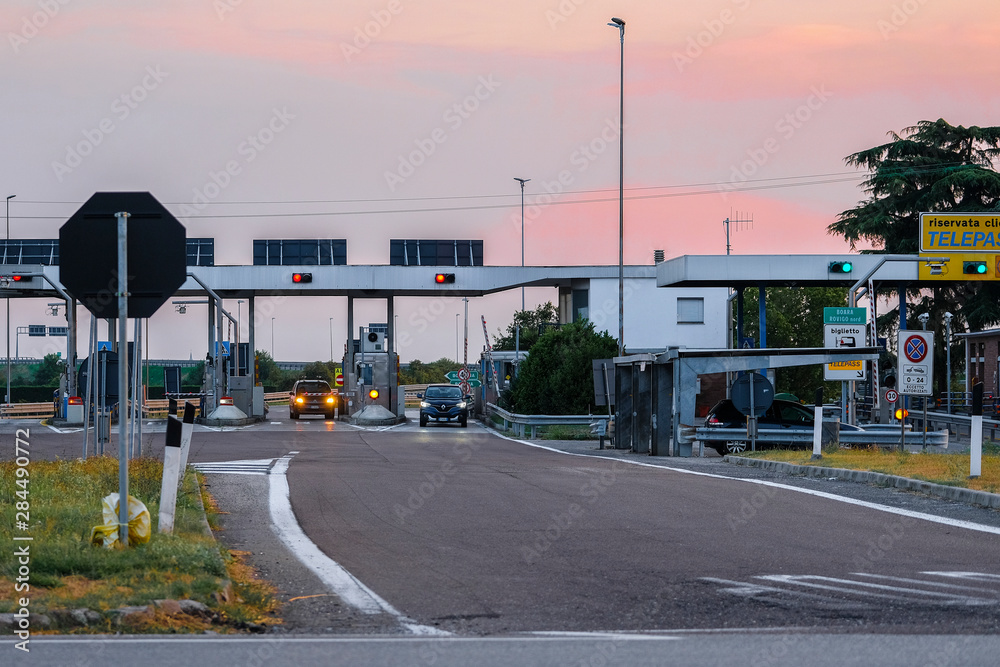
373 371
656 394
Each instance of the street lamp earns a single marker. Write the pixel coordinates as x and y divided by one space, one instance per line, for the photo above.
7 238
517 332
618 23
947 343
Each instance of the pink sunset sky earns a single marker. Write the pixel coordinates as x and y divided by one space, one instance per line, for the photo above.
433 107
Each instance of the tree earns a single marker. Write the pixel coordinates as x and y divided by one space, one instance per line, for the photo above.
932 167
320 370
430 373
268 372
557 377
532 322
795 319
47 373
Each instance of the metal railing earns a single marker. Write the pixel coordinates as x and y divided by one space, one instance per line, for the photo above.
882 437
520 423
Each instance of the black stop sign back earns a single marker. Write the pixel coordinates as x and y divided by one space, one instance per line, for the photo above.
88 254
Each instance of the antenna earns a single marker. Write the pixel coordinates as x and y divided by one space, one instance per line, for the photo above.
741 223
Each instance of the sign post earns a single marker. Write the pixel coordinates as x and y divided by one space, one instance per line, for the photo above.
115 272
916 368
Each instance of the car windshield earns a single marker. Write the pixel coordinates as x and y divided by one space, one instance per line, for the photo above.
313 388
443 392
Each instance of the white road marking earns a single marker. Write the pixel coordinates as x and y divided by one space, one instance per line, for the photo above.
874 590
250 467
955 523
916 590
333 574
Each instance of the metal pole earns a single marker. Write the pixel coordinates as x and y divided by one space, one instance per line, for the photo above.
465 361
7 238
517 331
122 377
620 24
90 395
947 343
331 338
621 198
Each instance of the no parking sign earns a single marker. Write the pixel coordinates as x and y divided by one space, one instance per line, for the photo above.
916 362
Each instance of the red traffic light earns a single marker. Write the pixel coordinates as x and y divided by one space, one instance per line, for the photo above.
16 278
302 277
441 278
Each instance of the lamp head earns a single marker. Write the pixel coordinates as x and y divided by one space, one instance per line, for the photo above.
617 22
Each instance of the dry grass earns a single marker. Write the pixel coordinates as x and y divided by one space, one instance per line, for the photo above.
947 469
67 572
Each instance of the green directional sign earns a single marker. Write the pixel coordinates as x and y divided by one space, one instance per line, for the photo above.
845 316
464 375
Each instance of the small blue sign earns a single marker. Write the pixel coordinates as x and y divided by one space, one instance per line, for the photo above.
104 346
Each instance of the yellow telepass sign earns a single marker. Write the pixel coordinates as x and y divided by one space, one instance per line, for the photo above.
948 233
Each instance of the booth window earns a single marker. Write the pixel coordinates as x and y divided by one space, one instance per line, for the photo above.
690 310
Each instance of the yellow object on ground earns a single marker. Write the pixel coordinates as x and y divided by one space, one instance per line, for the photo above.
139 525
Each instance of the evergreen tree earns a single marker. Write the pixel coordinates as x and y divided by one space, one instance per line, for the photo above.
932 167
557 378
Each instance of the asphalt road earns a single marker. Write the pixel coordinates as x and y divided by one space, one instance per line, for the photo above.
477 535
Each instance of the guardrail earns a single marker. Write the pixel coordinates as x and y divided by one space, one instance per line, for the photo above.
882 437
522 422
410 392
27 410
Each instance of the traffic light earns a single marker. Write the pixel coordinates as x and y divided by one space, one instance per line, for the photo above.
889 381
841 267
441 278
302 277
974 268
902 413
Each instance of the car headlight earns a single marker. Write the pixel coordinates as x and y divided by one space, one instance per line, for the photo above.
425 404
461 405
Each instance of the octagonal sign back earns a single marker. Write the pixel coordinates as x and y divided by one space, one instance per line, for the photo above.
88 253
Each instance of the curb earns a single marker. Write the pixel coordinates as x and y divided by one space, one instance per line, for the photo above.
958 494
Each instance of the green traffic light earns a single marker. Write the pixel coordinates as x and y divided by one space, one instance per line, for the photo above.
975 268
840 267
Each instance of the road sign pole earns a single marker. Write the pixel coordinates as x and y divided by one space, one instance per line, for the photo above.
122 378
902 421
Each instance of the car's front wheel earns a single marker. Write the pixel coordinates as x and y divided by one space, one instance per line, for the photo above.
423 420
735 446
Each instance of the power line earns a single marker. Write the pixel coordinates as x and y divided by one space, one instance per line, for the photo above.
716 188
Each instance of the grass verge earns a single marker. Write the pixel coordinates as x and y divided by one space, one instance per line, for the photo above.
946 469
67 572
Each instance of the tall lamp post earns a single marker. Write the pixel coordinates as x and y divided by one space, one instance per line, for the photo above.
517 332
272 339
618 23
7 237
947 347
